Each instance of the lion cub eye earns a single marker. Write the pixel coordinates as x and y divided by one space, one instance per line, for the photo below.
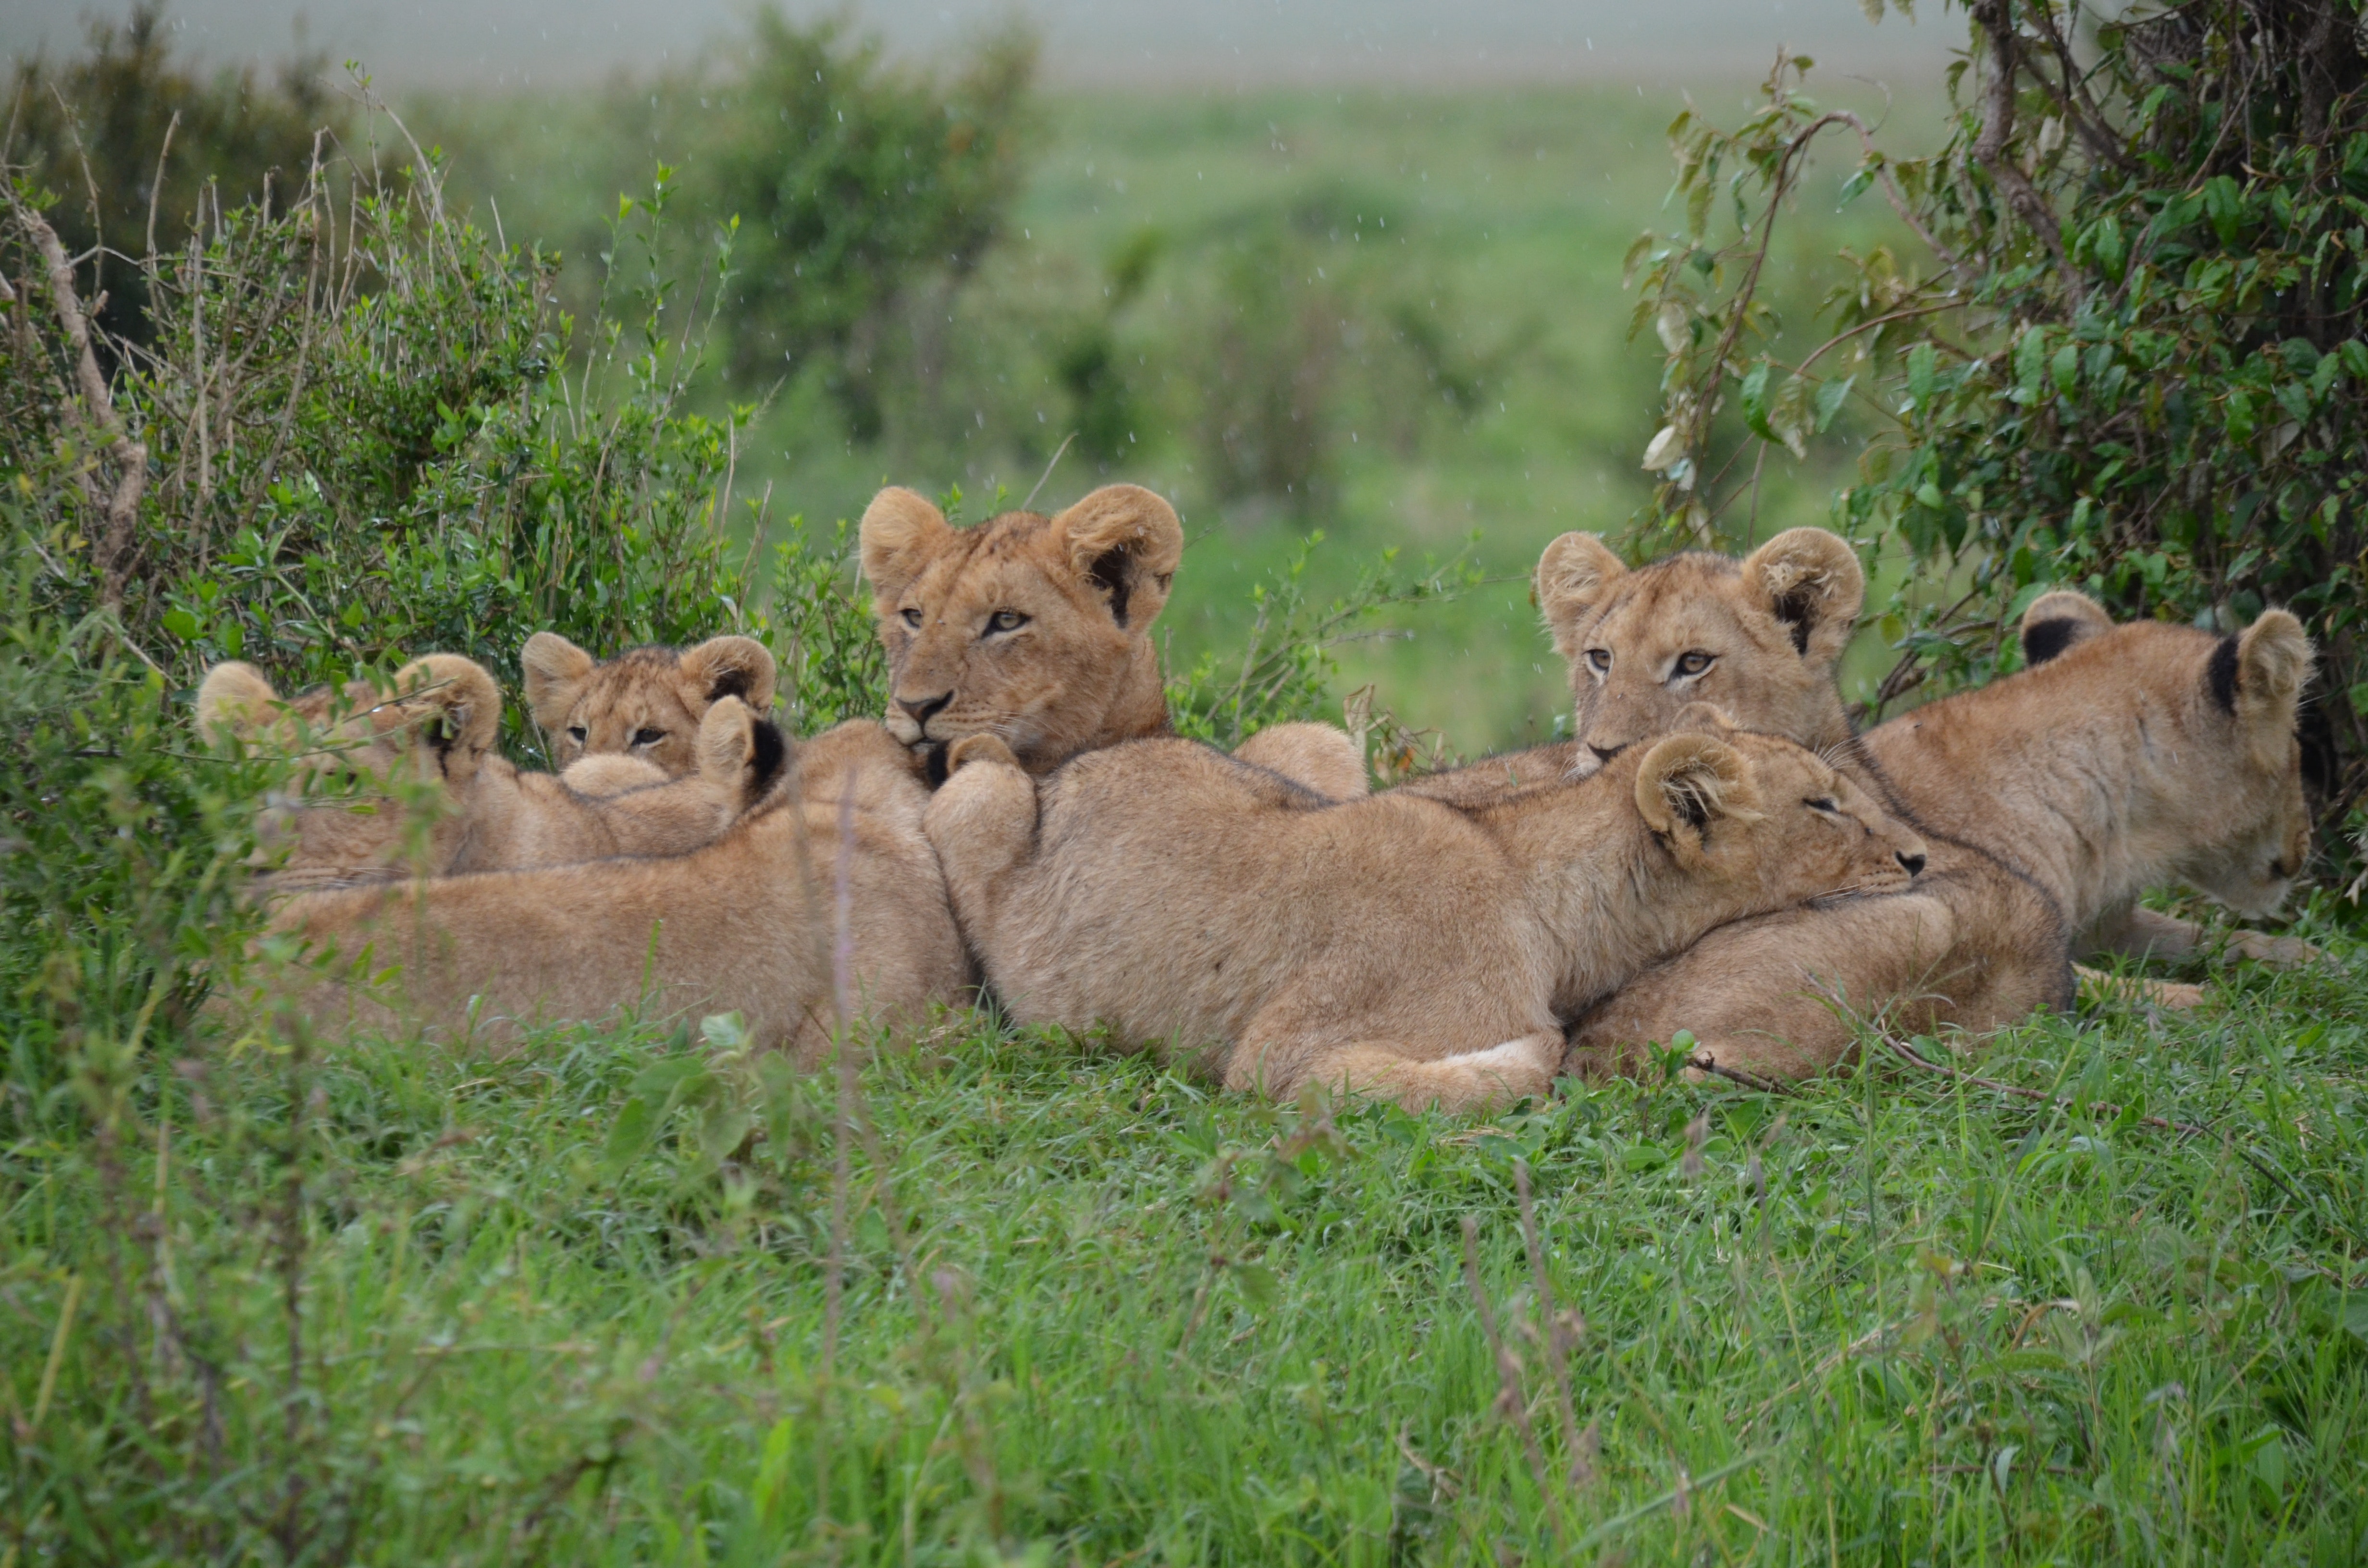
1006 620
1600 660
1825 803
1694 662
913 617
648 737
575 733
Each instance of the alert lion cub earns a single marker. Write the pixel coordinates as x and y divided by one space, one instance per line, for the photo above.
2137 756
405 781
745 924
1392 946
645 702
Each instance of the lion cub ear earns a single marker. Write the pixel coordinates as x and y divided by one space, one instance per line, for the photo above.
1811 580
455 707
1127 543
236 702
1573 577
1688 781
555 670
2058 619
740 752
731 667
900 533
2261 682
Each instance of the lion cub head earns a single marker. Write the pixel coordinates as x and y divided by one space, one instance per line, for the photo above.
1033 629
1740 809
2218 735
645 702
375 768
1759 637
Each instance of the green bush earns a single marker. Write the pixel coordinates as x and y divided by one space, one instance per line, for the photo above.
2130 355
855 184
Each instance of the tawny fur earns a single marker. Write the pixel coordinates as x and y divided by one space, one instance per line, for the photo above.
1324 758
405 781
645 702
1032 629
745 925
1987 936
1390 946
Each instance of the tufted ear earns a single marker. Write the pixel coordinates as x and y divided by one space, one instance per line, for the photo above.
2271 665
236 702
740 752
1128 543
555 670
2058 619
901 532
1688 781
1573 577
1811 580
454 707
731 667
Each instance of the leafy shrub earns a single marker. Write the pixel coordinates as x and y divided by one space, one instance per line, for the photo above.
136 143
2131 356
855 184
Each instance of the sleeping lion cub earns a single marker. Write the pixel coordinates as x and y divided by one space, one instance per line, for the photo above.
1391 946
345 819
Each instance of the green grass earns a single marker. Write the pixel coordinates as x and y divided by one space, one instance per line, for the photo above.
1094 1312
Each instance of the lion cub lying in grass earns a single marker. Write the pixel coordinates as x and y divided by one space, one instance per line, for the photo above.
1391 946
745 924
346 818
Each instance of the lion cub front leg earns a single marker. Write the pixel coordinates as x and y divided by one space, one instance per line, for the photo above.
1490 1079
2140 932
982 822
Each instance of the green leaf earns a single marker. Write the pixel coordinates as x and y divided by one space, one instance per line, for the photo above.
181 624
628 1139
1755 401
2065 368
1830 398
1922 372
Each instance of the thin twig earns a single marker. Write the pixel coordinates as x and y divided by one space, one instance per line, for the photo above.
97 413
1048 467
156 186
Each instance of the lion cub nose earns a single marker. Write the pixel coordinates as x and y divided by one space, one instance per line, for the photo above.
924 708
1912 863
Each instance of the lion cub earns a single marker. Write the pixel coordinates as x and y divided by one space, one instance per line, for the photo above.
745 924
1391 946
645 703
345 819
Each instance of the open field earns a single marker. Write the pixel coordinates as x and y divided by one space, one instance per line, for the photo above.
1507 211
574 1305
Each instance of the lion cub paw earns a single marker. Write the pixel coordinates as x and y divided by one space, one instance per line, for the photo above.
2277 952
977 748
2170 995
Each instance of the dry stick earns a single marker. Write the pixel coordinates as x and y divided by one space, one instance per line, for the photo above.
1048 467
311 203
1510 1405
842 955
1561 1338
156 186
1995 19
1914 1058
97 415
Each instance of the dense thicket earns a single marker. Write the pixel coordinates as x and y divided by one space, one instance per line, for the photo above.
2127 351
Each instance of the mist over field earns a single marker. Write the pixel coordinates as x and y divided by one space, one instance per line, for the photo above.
419 43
